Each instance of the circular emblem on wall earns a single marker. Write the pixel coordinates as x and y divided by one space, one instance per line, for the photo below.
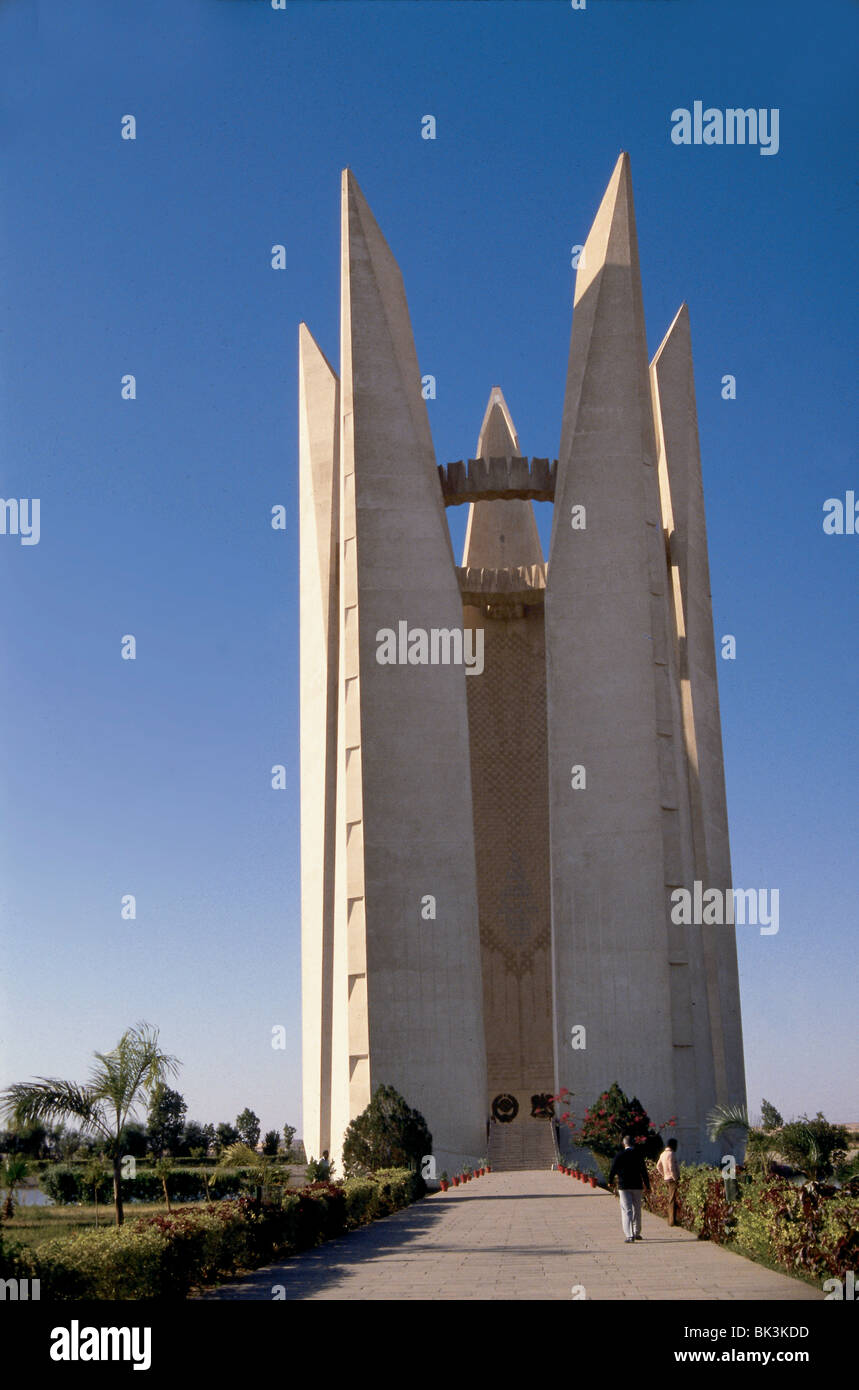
505 1108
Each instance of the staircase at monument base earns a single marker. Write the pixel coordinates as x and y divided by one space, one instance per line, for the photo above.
520 1146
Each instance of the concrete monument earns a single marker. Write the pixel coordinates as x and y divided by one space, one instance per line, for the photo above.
508 766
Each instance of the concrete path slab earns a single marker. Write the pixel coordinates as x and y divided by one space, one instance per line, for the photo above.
516 1236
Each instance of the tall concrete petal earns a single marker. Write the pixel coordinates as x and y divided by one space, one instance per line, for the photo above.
407 942
319 486
500 535
621 841
682 495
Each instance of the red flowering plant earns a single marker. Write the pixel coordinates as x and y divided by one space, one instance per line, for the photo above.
561 1101
606 1122
566 1118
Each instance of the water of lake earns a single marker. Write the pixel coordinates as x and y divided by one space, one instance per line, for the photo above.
30 1197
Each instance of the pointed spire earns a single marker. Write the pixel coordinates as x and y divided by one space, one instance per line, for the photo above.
381 379
498 437
683 517
319 483
318 401
608 694
681 490
607 430
500 534
612 238
403 727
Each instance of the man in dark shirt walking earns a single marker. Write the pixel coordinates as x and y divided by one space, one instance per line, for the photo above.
631 1174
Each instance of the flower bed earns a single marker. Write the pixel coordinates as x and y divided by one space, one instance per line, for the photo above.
813 1230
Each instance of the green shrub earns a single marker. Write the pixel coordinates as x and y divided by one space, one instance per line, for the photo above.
118 1262
205 1244
164 1255
67 1184
15 1261
815 1146
751 1231
705 1197
362 1201
398 1187
812 1229
386 1133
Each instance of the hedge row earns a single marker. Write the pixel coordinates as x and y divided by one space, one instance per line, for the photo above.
147 1161
66 1185
810 1230
165 1256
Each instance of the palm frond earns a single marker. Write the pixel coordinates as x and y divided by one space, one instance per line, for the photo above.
241 1155
49 1099
118 1081
13 1172
126 1075
726 1117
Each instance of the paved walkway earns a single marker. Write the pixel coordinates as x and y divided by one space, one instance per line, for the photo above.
515 1235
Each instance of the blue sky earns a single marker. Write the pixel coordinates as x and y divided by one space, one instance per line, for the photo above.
152 257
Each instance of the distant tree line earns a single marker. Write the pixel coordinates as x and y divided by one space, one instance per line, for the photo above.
167 1133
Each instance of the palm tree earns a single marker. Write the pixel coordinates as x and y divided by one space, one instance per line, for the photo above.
12 1174
726 1118
101 1106
730 1121
260 1168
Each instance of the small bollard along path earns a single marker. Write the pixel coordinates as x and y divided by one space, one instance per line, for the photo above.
525 1235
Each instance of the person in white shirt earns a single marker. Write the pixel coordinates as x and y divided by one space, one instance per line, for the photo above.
668 1170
